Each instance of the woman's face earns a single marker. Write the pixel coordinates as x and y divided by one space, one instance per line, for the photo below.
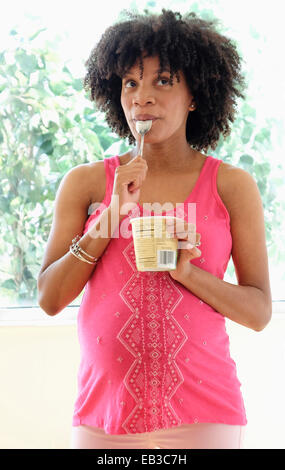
153 98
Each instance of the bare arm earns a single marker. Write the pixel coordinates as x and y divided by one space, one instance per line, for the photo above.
248 303
62 276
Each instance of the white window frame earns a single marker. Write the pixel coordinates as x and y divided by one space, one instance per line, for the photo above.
35 316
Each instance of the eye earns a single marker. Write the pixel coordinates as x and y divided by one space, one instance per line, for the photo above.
129 84
163 81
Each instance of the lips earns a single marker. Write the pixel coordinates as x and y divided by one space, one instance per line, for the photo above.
144 117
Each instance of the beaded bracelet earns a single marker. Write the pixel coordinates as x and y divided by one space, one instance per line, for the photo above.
77 251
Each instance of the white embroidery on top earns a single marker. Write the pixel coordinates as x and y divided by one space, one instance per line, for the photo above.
154 337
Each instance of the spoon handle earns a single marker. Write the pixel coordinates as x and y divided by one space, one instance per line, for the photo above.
142 142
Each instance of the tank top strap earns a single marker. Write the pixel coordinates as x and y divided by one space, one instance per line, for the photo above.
95 209
110 165
207 182
206 194
212 169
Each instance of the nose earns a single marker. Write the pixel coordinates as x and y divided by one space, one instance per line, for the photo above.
143 95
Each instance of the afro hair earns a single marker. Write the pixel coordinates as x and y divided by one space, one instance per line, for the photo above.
209 60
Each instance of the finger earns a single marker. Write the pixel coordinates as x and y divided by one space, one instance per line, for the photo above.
185 236
137 157
192 237
198 239
135 184
180 225
185 245
193 251
175 230
178 235
189 240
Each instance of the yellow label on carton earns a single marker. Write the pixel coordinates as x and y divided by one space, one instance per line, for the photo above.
155 248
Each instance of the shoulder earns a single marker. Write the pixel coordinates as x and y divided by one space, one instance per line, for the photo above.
236 187
232 174
89 170
85 181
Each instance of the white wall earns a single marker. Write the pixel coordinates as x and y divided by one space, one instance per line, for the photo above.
260 359
38 368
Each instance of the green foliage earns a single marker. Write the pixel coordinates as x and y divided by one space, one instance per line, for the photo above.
47 126
249 147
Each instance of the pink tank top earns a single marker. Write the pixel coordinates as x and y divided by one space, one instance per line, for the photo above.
153 355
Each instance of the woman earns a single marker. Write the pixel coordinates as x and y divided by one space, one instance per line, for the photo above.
155 367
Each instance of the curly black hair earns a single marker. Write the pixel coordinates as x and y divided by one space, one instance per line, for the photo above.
209 60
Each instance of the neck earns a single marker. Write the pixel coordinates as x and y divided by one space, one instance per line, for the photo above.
167 157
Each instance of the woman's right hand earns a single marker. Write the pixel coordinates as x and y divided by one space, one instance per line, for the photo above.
127 183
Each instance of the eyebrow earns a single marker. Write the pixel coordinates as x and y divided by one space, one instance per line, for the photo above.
166 69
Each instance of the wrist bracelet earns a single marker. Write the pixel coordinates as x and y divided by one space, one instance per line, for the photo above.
78 248
77 255
77 251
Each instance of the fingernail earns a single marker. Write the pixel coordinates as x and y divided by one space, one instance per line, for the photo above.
190 246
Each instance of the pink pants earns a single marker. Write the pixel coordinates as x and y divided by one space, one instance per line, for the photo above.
187 436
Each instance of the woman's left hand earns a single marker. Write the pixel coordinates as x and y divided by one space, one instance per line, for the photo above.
188 240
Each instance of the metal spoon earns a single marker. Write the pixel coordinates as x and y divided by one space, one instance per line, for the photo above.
142 128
